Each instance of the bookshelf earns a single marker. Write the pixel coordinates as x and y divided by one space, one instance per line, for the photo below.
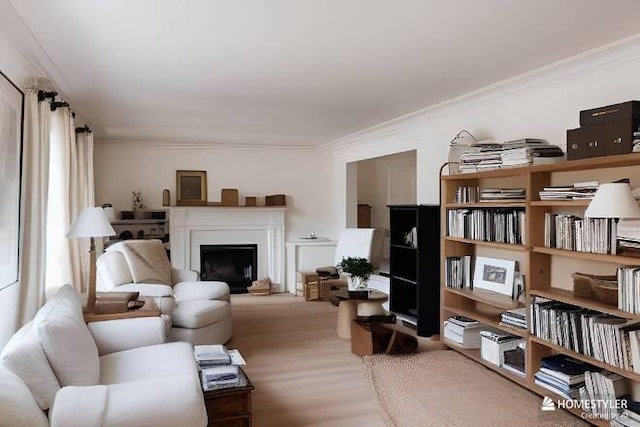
414 267
546 270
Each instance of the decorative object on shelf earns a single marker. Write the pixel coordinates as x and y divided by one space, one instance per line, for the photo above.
92 222
494 275
276 200
359 270
191 188
11 111
229 197
613 200
137 201
604 288
109 212
126 214
461 142
250 201
411 237
166 197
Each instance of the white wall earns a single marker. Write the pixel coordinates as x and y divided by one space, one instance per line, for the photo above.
15 66
542 104
303 175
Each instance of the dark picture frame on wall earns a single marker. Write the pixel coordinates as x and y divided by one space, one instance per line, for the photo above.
191 188
11 130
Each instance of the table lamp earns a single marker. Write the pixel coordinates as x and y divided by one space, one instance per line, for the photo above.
613 200
92 222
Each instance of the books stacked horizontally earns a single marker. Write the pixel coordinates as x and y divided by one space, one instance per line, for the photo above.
627 418
628 236
502 194
516 318
463 331
458 272
578 191
597 389
218 366
493 345
485 155
562 375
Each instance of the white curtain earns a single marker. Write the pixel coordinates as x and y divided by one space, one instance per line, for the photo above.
34 197
70 191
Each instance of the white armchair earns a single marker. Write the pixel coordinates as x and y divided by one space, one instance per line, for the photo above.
118 372
196 311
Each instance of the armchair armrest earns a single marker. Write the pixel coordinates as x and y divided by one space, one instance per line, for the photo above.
159 402
178 276
123 334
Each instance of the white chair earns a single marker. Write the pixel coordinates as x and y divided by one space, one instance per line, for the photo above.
354 242
196 311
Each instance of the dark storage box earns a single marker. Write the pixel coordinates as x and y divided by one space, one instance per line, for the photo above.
596 137
620 136
276 200
611 113
576 144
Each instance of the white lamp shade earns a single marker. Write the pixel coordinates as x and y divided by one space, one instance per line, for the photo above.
613 200
92 222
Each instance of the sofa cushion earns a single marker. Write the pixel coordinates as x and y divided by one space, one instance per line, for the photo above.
113 269
24 356
154 361
147 260
66 341
201 290
198 313
18 408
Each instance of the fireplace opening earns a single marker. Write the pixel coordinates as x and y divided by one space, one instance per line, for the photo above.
237 265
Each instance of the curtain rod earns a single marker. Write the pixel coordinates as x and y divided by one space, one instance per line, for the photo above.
84 129
42 95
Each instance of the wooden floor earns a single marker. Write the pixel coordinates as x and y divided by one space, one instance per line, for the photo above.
303 373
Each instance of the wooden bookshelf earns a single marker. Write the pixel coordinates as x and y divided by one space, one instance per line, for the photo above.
537 263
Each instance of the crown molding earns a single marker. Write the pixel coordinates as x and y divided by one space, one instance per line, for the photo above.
614 54
199 146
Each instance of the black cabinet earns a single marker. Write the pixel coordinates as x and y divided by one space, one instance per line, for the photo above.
414 257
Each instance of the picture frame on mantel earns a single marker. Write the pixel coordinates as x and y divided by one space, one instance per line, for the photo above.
191 188
11 127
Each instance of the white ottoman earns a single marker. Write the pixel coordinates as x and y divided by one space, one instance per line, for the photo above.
204 290
201 321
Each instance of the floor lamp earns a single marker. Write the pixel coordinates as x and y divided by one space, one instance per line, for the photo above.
92 222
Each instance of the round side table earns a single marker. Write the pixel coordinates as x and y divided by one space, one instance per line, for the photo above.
350 307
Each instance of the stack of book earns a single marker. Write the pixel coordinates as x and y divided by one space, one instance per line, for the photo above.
577 191
485 155
572 233
563 375
627 418
502 194
629 289
218 366
463 331
493 345
516 318
604 388
493 225
458 272
607 338
628 236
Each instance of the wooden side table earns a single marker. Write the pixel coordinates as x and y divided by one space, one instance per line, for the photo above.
349 308
231 406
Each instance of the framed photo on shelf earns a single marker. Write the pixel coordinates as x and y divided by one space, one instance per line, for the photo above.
494 275
191 188
11 126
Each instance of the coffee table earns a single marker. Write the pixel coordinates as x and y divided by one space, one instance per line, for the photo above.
230 406
351 307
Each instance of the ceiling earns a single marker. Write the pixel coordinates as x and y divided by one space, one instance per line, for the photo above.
296 72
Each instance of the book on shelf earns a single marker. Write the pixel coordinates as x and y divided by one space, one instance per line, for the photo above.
501 225
572 233
458 272
577 191
515 318
463 331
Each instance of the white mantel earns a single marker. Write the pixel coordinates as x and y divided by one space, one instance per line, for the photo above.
191 227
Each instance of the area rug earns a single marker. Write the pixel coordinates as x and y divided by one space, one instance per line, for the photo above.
445 388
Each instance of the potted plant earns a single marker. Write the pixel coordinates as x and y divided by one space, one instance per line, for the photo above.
359 271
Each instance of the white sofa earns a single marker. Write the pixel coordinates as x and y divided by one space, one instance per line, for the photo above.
58 371
196 311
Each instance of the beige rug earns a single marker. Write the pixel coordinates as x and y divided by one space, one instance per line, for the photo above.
445 388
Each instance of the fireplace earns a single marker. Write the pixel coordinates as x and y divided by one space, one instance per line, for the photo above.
193 227
235 264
